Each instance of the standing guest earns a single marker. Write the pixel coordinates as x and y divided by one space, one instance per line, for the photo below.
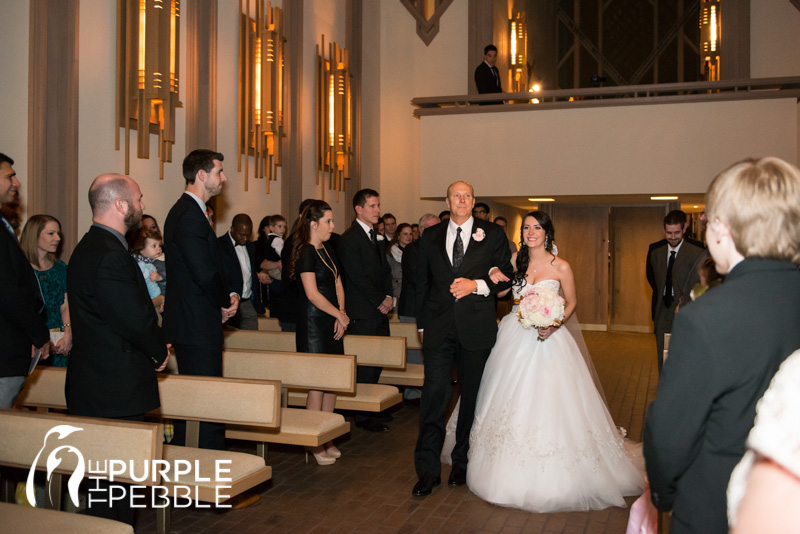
367 285
389 226
726 347
481 211
269 247
241 271
487 77
394 255
146 248
22 326
503 223
12 212
149 223
380 227
444 215
210 217
40 240
415 232
117 347
322 317
198 299
669 264
460 326
289 298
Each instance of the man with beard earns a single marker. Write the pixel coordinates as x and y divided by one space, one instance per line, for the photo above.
198 299
117 345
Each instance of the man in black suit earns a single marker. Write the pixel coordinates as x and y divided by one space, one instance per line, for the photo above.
367 285
117 345
456 312
241 271
198 299
669 265
22 326
726 347
487 77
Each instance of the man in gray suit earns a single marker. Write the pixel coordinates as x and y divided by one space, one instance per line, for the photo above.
669 264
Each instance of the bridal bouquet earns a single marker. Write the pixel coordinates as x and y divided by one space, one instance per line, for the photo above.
541 307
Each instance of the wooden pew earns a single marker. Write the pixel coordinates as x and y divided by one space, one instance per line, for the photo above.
325 372
251 403
18 518
413 375
269 324
388 352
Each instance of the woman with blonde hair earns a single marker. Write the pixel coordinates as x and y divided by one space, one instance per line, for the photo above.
40 241
726 347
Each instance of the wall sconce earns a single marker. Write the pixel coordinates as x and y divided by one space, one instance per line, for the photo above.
710 32
518 66
334 125
148 40
261 44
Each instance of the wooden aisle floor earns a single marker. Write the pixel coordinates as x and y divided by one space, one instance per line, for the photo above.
369 488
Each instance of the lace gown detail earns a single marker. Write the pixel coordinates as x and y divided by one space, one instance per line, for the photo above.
543 439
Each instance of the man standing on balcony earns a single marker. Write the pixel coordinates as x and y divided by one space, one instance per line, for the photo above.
487 77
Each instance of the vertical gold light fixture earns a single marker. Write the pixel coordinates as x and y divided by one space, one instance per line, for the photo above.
261 98
148 40
334 125
518 64
710 34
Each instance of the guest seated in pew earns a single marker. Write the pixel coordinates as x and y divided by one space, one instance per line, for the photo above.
322 320
118 346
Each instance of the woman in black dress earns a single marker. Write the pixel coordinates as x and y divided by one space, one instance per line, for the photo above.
321 317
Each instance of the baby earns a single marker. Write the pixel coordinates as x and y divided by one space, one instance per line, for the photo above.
146 248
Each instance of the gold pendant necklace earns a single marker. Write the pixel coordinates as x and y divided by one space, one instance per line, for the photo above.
333 269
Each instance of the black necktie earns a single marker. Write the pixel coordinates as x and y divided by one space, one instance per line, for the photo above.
458 250
668 284
374 239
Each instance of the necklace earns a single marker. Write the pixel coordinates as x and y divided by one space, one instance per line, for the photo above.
333 269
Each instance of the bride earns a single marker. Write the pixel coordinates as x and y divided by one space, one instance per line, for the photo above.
543 439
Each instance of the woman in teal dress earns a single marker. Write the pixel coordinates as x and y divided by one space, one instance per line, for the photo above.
40 240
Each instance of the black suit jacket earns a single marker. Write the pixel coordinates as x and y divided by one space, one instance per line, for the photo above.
233 271
21 322
485 79
116 342
407 305
656 271
366 275
474 317
724 350
197 290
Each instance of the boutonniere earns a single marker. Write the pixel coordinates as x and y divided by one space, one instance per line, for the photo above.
479 235
379 237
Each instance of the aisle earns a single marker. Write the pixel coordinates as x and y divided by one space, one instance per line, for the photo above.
369 489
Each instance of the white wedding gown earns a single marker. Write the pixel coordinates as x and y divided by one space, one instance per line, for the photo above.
543 439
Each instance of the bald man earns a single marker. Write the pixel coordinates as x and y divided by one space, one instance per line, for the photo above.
456 313
117 345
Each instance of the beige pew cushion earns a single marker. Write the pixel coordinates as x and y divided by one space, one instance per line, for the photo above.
368 398
413 376
298 427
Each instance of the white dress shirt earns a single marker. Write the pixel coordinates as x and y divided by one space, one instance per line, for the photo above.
244 264
466 232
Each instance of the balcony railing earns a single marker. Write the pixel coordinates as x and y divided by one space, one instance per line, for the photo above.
630 95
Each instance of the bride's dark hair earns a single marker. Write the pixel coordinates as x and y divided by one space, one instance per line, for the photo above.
523 258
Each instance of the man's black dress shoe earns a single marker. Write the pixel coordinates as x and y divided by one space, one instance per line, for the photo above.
373 426
425 485
458 477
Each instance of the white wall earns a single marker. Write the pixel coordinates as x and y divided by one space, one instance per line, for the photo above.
670 148
96 154
407 69
234 199
774 39
14 89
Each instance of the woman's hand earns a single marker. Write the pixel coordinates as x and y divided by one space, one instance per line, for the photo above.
544 333
64 344
343 319
338 330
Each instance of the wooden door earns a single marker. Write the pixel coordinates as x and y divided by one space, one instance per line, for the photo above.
632 229
582 240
